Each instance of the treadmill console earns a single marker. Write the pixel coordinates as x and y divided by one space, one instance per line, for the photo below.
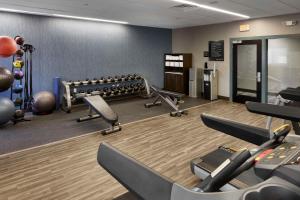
285 154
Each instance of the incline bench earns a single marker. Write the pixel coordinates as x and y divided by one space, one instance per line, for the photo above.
171 98
103 110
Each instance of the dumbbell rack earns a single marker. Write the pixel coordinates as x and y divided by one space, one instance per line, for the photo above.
109 88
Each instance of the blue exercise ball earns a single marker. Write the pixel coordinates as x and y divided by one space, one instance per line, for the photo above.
7 110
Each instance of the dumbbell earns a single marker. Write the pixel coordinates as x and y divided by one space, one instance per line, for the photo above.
113 90
137 77
95 81
71 83
134 87
101 80
124 78
129 89
129 77
85 82
118 78
109 79
122 89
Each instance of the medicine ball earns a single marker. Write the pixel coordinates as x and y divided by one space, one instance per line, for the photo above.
19 53
18 63
19 114
8 46
18 102
6 79
7 110
18 88
43 103
19 40
18 74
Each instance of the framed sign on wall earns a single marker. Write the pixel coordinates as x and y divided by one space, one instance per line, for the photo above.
216 50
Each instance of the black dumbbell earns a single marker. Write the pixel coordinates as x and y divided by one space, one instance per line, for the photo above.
109 79
129 77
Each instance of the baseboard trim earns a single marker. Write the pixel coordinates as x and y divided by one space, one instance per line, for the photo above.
223 98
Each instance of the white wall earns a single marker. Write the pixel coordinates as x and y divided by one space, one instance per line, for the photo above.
195 40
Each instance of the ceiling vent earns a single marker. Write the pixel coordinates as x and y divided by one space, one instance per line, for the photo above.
184 7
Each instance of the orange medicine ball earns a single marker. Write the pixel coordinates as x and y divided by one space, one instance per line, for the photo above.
8 46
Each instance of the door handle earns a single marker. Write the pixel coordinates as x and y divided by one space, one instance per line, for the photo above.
258 77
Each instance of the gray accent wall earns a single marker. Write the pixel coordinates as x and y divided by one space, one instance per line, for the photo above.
77 49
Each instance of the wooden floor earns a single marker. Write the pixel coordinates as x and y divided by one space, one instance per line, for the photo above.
69 171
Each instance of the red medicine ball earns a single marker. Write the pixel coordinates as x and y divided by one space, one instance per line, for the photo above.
8 46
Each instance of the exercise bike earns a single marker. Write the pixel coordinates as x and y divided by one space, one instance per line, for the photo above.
276 161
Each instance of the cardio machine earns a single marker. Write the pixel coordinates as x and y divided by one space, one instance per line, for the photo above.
279 176
287 97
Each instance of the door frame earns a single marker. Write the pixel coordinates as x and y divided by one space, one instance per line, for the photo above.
264 61
258 43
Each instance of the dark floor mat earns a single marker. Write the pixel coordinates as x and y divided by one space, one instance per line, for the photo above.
60 125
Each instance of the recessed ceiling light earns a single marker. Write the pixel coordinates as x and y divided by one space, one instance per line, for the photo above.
62 16
212 8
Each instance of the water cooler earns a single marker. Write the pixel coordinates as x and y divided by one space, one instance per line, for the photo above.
210 84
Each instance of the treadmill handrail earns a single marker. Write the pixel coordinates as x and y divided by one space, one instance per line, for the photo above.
282 112
248 133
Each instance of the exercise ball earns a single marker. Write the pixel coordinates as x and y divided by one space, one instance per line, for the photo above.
43 103
7 110
6 79
8 46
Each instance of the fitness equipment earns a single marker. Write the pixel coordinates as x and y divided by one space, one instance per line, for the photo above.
287 97
19 40
97 104
276 162
109 88
171 98
43 103
203 166
7 110
8 46
18 74
18 64
18 89
6 79
19 115
18 102
19 53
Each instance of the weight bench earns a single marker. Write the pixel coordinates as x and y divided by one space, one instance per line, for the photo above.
102 109
171 98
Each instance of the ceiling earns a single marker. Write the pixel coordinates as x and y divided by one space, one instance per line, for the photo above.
157 13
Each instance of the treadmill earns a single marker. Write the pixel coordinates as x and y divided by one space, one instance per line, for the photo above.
204 166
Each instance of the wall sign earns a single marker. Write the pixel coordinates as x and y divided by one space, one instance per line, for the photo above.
244 27
216 50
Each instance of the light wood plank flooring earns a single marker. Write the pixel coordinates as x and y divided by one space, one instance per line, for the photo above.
68 170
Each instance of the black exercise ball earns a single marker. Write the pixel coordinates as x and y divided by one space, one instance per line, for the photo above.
7 110
43 103
6 79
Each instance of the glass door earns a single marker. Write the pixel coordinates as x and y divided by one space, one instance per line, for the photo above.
247 57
